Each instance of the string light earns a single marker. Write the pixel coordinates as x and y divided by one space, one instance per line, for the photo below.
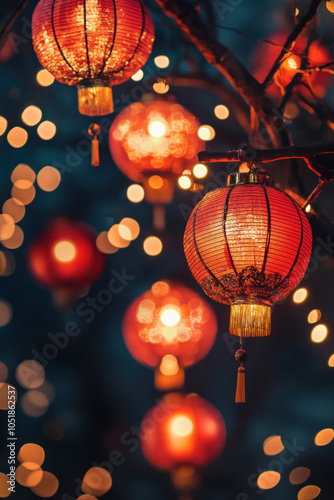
152 246
161 62
200 171
300 295
44 78
206 132
221 112
331 361
46 130
314 316
324 437
135 193
184 182
31 115
3 125
17 137
319 333
138 76
268 479
48 178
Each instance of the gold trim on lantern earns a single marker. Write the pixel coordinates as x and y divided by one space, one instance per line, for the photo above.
95 99
251 177
250 320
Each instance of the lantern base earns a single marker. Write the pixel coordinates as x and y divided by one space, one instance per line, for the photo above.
164 382
159 190
185 479
250 320
95 99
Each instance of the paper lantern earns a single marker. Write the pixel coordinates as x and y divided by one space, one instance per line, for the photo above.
169 328
248 245
92 44
265 55
182 430
64 258
152 143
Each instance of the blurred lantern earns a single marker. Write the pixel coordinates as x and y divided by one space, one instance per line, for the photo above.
169 328
64 258
92 44
265 55
248 245
152 142
7 47
182 434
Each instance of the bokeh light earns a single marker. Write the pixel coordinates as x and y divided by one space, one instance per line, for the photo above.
47 487
308 208
181 426
309 492
4 492
331 361
299 475
3 125
157 128
29 474
4 391
132 227
300 295
161 87
330 6
3 369
169 365
23 176
273 445
7 227
14 208
135 193
64 251
97 481
116 239
324 437
31 116
25 195
46 130
6 312
17 137
44 78
30 374
15 240
48 178
103 244
200 171
206 132
138 76
319 333
7 263
221 112
184 182
152 246
161 62
31 452
314 316
268 479
34 403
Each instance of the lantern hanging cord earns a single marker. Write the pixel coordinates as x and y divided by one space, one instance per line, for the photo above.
6 28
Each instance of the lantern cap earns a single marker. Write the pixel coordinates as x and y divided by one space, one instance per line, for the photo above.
251 177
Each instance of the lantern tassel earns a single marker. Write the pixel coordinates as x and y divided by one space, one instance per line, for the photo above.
240 393
94 130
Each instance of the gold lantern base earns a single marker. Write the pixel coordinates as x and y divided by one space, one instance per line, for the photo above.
250 320
158 189
95 99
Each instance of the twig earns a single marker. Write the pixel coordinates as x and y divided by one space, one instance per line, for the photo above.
19 8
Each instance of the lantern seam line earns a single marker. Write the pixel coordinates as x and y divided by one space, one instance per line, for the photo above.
57 42
268 230
224 229
86 39
112 43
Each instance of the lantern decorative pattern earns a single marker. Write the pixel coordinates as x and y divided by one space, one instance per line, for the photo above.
64 258
248 245
169 328
92 44
153 142
188 432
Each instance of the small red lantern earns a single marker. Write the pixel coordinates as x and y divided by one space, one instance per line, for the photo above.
64 258
265 55
168 328
153 143
92 44
248 245
181 434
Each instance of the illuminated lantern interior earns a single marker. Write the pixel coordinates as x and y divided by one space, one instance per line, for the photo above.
168 328
92 44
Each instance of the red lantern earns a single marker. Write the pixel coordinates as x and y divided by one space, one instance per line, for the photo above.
168 328
92 44
152 143
265 55
248 245
182 430
64 258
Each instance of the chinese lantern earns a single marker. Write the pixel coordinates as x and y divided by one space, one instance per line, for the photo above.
93 44
265 55
169 328
153 143
64 258
182 434
248 245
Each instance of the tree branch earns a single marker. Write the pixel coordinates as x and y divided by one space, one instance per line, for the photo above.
19 8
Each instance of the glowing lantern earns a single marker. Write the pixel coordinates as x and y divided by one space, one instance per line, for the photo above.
265 55
248 245
92 44
64 258
181 434
168 328
153 143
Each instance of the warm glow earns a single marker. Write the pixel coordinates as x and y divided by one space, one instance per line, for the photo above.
4 491
181 426
152 246
200 171
243 168
104 245
15 240
132 225
46 130
138 76
31 115
157 128
30 374
17 137
23 176
184 182
330 6
314 316
161 61
292 62
309 492
169 365
299 475
124 232
24 195
268 479
324 437
64 251
6 313
48 178
331 361
44 78
273 445
3 125
160 288
47 487
300 295
170 316
156 182
31 452
14 208
7 227
97 481
206 133
308 208
116 239
161 87
29 474
135 193
3 371
221 112
319 333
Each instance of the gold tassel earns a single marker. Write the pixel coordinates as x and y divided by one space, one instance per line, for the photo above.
94 130
240 393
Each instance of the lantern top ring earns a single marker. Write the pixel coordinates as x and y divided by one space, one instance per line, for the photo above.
251 177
